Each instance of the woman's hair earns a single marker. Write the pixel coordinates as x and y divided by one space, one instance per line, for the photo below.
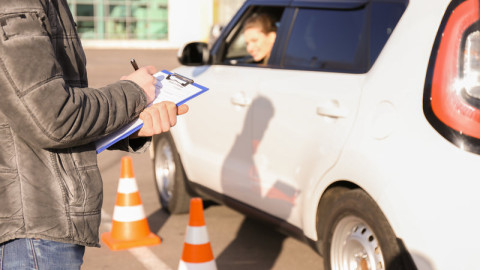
262 21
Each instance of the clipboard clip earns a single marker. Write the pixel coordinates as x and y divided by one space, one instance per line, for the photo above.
179 79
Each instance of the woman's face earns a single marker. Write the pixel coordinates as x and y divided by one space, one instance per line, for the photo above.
259 44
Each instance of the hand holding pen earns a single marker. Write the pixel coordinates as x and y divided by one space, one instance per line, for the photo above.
144 78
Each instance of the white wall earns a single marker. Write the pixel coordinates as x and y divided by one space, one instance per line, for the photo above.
189 20
226 10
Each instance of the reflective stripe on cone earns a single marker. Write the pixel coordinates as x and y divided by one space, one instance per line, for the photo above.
197 252
129 225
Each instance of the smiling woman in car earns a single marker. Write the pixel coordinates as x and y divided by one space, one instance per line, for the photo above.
260 33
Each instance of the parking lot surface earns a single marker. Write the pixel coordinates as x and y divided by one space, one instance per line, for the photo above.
237 241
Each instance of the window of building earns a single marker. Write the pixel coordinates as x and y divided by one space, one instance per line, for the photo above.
121 19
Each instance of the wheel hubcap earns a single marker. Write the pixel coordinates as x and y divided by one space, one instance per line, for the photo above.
354 246
164 170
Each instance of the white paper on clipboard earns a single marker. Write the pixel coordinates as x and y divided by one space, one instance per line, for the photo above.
170 87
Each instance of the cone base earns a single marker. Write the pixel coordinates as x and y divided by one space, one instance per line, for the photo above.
211 265
115 244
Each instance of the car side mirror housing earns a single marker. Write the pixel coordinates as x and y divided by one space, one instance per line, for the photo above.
194 54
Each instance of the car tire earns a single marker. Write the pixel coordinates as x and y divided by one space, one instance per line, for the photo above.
358 236
170 178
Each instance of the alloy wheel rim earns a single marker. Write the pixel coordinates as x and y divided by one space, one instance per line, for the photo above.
355 246
164 170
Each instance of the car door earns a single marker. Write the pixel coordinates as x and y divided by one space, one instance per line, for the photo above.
314 97
216 137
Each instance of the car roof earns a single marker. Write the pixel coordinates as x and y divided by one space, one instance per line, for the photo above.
319 3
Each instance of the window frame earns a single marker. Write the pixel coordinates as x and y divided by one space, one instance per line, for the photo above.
290 12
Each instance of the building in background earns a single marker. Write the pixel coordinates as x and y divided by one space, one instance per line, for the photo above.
149 23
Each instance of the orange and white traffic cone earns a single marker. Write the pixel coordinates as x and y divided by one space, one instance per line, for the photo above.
197 252
129 226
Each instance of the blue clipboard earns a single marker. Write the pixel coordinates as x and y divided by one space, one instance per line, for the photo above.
170 86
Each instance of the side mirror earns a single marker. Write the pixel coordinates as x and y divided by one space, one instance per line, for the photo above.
194 54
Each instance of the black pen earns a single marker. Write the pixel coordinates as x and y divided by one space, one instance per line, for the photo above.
134 63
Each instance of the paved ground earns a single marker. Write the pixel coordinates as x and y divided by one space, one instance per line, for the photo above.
237 242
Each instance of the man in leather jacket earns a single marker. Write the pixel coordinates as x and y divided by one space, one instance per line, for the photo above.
50 185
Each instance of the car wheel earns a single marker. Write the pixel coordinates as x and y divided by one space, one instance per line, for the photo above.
170 178
358 236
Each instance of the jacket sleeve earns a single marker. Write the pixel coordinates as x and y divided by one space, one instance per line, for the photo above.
41 106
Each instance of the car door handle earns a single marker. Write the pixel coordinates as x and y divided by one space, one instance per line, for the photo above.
332 109
240 99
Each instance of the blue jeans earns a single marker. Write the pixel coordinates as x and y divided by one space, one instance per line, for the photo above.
40 254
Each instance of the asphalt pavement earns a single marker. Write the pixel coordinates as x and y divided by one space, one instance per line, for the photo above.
237 241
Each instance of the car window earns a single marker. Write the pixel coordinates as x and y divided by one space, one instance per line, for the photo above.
327 39
236 52
238 49
330 39
342 40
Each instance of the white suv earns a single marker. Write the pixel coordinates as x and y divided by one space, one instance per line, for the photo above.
362 133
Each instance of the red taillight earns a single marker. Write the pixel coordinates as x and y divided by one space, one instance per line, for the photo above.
452 92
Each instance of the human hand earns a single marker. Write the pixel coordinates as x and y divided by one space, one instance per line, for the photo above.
159 117
145 79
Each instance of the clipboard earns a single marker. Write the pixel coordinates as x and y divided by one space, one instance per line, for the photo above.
170 86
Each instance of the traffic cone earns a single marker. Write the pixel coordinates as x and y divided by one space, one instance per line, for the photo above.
129 226
197 252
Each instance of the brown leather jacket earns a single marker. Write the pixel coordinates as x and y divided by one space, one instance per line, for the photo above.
50 185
